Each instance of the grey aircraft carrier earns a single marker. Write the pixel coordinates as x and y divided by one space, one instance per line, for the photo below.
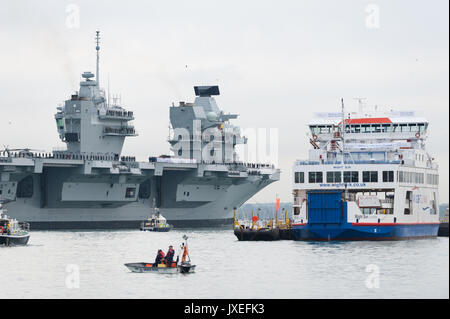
90 184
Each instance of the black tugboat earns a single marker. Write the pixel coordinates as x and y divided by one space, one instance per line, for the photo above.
260 230
443 227
12 232
183 267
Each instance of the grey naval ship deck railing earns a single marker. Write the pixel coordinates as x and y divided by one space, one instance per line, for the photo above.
62 155
67 156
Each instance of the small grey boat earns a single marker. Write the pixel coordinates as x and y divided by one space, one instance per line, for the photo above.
183 267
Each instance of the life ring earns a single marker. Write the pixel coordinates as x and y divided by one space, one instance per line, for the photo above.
315 137
417 135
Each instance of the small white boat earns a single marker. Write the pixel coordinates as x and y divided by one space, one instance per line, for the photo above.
157 223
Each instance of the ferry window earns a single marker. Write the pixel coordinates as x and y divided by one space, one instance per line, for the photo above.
351 177
315 130
413 127
388 176
315 177
404 127
130 192
386 128
334 177
418 178
400 177
421 127
324 129
356 128
370 177
407 211
365 128
347 129
299 177
395 128
376 128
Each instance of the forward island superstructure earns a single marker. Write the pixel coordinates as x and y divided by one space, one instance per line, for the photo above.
90 184
368 176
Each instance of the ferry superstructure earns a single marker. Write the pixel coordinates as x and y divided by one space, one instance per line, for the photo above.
368 176
90 184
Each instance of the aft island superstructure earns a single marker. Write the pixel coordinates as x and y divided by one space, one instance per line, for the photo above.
368 176
90 184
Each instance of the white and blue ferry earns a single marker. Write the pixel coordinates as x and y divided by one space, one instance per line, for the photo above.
368 177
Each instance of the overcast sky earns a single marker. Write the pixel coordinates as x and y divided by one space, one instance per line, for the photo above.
276 62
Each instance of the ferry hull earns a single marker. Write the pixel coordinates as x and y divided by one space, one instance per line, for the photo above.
354 231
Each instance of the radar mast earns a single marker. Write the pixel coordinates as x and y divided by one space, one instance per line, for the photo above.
97 48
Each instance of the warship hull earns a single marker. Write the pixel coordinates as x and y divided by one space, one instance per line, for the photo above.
215 209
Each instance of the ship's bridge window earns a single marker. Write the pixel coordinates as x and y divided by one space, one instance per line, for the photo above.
388 176
324 129
355 128
395 128
386 128
370 176
347 129
413 127
351 177
421 127
60 124
334 177
315 130
315 177
404 127
376 128
299 177
365 128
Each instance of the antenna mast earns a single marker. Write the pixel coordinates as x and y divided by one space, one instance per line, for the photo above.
97 48
360 104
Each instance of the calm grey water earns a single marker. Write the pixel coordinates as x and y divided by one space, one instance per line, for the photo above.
226 268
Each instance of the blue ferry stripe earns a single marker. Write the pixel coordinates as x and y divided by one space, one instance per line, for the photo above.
394 224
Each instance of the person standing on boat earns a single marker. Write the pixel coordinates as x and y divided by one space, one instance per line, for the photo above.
159 258
169 256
